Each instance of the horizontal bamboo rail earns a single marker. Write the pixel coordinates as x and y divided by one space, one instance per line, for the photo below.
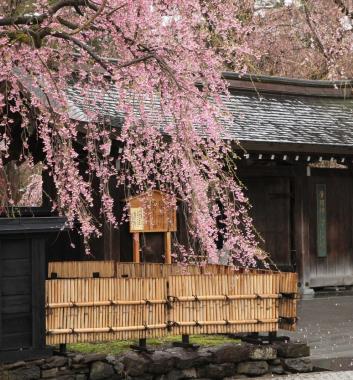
151 327
112 269
175 299
110 308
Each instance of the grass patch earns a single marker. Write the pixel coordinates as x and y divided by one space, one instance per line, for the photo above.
120 346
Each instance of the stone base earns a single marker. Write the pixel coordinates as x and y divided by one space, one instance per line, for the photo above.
229 361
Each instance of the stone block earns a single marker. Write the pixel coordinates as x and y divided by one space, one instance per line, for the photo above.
263 353
13 366
298 364
231 353
119 368
49 373
80 367
217 371
253 368
78 358
277 369
101 370
189 373
135 364
55 361
292 349
160 362
184 358
24 373
93 358
146 376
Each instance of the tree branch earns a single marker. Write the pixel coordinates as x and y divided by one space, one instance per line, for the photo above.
37 19
343 8
313 31
83 46
136 60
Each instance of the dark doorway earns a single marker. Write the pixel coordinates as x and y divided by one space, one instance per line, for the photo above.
270 198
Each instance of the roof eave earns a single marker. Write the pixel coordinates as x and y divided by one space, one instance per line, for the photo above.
286 147
289 86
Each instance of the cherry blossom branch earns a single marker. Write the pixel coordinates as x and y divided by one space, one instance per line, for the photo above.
344 9
313 31
38 19
84 47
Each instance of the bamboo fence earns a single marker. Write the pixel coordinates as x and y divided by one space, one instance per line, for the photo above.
83 269
155 300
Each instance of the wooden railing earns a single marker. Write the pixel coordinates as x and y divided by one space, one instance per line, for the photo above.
154 302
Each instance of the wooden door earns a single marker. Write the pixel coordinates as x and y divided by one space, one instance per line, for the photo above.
270 198
22 298
16 294
330 229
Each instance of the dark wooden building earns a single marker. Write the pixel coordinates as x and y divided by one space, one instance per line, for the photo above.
297 168
296 163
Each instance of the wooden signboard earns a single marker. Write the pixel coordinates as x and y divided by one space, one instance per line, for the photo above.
321 220
152 211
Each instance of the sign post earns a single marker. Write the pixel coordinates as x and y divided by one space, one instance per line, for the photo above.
153 211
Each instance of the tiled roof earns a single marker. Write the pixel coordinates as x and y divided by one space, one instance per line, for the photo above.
291 119
257 118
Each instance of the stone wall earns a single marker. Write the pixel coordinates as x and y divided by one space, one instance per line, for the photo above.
229 361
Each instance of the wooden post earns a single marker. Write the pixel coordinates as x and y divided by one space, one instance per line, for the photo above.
62 348
168 247
136 247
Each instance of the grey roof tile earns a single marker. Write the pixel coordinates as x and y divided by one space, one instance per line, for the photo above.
265 118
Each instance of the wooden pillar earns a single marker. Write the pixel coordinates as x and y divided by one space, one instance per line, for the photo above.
168 247
302 237
136 247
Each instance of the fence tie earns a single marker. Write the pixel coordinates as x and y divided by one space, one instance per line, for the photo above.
196 298
258 296
72 331
111 330
170 325
290 320
73 304
227 322
171 299
227 298
148 302
197 324
146 326
169 303
112 303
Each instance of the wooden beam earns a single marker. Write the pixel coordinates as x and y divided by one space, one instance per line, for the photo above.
274 171
136 247
258 147
168 247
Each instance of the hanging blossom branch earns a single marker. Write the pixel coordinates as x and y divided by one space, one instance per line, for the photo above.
171 134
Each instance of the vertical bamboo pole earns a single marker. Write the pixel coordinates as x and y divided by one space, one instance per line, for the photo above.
136 247
168 247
